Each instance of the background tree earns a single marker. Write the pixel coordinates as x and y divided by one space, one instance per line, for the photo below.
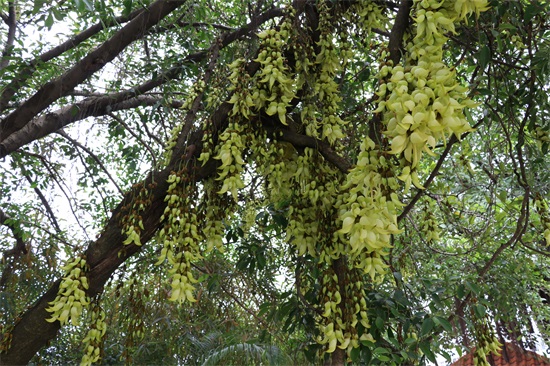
313 181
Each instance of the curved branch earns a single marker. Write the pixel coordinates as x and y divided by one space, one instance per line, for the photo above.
90 107
298 140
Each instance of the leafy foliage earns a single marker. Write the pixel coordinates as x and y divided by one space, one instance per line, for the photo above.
273 182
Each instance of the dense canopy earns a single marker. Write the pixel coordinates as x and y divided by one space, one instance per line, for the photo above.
273 182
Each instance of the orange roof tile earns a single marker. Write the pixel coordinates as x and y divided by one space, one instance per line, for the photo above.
512 355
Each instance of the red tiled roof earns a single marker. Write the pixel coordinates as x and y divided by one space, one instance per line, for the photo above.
511 356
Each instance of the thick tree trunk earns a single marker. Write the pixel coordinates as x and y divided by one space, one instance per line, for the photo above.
338 357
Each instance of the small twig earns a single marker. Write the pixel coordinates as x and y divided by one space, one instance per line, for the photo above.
42 198
60 182
165 28
93 156
546 254
136 136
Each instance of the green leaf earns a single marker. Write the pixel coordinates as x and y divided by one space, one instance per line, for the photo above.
127 7
460 291
38 5
49 21
480 310
427 326
531 10
425 347
383 358
364 75
354 354
475 288
444 323
58 14
367 356
381 350
507 26
379 323
484 56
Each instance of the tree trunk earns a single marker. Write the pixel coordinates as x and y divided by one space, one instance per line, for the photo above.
338 357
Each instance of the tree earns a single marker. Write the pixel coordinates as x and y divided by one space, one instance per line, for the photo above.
198 182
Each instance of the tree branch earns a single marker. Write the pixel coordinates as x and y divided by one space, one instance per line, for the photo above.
93 156
398 31
42 199
16 231
11 21
27 70
181 24
86 67
89 107
16 252
299 140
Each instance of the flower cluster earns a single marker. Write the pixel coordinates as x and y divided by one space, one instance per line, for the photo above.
344 312
94 338
180 236
132 223
229 152
213 209
319 114
71 297
274 87
369 15
311 224
278 164
486 342
422 102
430 227
368 209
